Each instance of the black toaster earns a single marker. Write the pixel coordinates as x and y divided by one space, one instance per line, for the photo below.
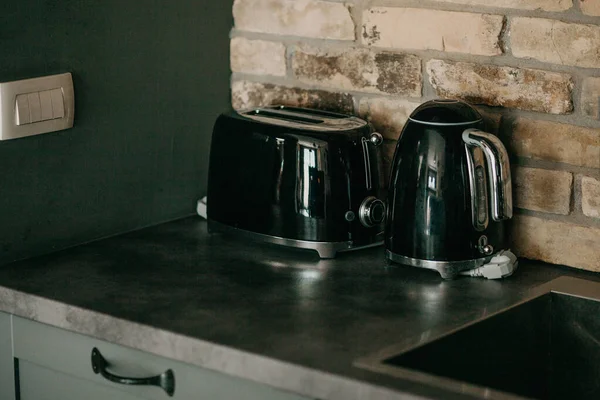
297 177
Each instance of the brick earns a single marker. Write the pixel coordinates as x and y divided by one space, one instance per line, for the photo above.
556 42
416 28
545 5
257 57
590 97
388 116
523 88
551 141
590 7
590 196
359 69
491 120
245 94
556 242
308 18
542 190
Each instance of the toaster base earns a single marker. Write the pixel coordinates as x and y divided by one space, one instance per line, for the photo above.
447 269
324 249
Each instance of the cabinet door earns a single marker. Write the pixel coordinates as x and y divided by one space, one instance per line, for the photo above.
39 383
7 370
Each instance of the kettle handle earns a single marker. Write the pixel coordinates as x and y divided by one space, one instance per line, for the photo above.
498 170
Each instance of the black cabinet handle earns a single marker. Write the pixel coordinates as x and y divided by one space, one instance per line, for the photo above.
166 380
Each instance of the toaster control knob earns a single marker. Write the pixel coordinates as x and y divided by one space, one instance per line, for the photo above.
371 212
376 138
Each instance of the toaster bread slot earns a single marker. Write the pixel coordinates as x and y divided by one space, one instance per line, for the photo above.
319 113
304 119
283 115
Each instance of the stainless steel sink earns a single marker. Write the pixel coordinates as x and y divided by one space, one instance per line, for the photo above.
546 346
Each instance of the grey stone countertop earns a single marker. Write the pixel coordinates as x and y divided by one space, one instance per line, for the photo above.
276 316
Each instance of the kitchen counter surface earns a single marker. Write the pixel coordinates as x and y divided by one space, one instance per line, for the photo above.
276 316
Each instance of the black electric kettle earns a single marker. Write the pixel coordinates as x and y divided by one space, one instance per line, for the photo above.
450 191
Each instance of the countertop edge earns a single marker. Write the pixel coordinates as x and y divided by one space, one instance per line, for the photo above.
275 373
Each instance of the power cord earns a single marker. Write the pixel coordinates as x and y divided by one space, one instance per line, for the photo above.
502 265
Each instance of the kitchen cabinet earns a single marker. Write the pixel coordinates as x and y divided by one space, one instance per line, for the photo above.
7 377
52 363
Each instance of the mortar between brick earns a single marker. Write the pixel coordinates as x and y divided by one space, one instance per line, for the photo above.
574 218
571 15
556 166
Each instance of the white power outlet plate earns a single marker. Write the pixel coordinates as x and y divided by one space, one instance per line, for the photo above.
34 106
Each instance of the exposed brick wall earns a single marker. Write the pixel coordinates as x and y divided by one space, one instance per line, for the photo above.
532 67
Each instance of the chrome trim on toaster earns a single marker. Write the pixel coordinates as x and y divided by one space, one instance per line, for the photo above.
325 249
365 147
447 269
311 161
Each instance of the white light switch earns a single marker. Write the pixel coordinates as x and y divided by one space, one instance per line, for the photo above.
22 110
34 106
58 105
35 109
46 103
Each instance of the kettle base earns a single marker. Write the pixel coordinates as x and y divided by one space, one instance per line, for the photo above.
324 249
447 269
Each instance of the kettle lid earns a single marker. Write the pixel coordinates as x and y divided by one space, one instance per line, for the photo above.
445 112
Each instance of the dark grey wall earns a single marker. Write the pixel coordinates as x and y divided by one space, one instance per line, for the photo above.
150 77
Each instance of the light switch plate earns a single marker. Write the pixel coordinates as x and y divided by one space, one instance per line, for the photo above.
44 104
